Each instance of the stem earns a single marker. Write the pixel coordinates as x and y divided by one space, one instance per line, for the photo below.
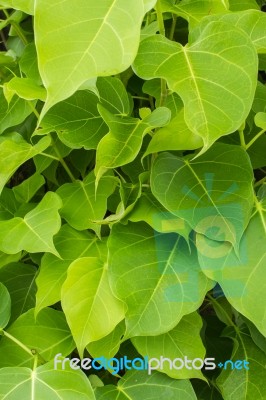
18 342
254 139
242 138
17 28
62 162
140 98
173 26
162 32
260 182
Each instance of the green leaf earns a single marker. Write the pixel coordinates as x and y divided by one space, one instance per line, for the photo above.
240 5
109 345
90 307
215 104
138 385
24 5
46 335
252 22
194 10
28 188
260 120
24 88
14 113
5 306
14 152
28 63
244 384
33 233
71 245
24 383
123 142
77 120
81 207
149 210
156 275
182 341
175 136
241 277
211 193
97 46
20 281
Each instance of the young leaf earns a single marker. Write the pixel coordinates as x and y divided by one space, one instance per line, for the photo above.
211 193
157 277
81 206
24 88
96 46
33 233
123 142
215 104
5 306
90 307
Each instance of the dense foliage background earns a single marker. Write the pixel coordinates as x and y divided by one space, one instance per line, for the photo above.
133 196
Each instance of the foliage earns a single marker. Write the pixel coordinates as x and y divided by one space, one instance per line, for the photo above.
133 197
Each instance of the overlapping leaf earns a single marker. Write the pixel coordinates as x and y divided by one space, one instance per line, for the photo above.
48 335
215 104
33 233
137 384
90 307
240 276
65 384
87 41
71 245
169 283
212 193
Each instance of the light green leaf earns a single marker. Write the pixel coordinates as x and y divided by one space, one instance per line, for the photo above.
241 5
28 188
77 120
244 384
175 136
33 233
71 245
44 383
14 113
123 142
14 152
96 46
211 193
26 6
28 63
215 104
109 345
240 276
194 10
156 275
149 210
90 307
24 88
81 206
260 120
252 22
8 258
139 385
20 281
5 306
46 335
182 341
